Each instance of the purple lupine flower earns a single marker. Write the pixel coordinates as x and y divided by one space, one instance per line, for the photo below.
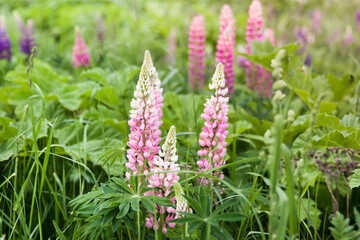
5 45
27 40
357 18
100 31
304 38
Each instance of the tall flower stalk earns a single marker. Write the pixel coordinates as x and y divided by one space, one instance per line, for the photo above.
145 120
163 176
81 53
214 132
27 40
197 52
5 45
257 78
226 45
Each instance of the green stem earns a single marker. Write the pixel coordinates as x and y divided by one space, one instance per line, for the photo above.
138 224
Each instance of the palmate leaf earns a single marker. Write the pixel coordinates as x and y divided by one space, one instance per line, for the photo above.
224 205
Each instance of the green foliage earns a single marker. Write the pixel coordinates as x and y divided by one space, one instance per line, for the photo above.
342 230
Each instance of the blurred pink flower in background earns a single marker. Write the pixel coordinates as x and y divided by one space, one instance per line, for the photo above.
269 34
81 55
316 21
197 52
257 78
348 37
226 45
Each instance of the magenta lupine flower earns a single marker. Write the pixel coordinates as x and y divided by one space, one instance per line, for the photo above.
197 52
145 121
357 18
5 45
163 180
81 54
257 78
27 40
269 34
214 132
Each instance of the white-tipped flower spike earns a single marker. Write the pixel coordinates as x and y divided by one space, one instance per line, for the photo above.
162 179
145 121
181 203
213 135
166 162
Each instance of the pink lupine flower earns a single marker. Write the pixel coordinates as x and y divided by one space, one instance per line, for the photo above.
197 52
227 19
316 21
163 180
172 47
225 55
145 120
226 45
214 132
269 34
257 78
348 37
81 54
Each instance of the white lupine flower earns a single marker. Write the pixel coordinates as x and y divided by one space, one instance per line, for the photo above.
291 115
279 84
278 96
218 79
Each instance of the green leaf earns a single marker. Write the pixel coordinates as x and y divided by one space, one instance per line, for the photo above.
229 217
149 205
224 205
355 179
59 233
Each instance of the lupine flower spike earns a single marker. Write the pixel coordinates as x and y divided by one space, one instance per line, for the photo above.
214 132
164 180
197 52
304 38
145 120
181 203
316 21
100 31
269 34
225 45
357 19
5 45
27 40
257 78
81 54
